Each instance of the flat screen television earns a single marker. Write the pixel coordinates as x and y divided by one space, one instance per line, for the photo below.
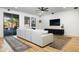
55 22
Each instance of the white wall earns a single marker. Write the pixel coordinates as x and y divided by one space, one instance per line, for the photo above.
69 18
21 19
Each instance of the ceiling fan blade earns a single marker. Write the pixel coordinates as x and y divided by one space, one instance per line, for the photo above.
42 8
39 8
45 8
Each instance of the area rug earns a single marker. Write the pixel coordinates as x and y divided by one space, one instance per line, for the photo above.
60 42
16 45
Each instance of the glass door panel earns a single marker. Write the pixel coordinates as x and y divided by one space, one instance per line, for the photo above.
11 22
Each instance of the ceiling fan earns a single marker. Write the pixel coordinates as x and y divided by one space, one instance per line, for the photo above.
42 9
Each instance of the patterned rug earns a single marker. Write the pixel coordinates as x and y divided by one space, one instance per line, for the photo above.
16 45
60 42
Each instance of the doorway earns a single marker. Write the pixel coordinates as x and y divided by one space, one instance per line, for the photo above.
11 23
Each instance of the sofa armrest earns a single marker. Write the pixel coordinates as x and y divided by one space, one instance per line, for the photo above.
46 39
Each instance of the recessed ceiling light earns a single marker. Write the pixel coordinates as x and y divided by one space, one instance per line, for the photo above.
64 7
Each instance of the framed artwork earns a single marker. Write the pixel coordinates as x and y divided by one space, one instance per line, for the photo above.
27 20
33 22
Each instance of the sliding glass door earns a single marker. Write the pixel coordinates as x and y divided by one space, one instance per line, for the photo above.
11 23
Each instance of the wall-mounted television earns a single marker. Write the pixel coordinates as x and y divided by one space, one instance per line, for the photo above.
55 22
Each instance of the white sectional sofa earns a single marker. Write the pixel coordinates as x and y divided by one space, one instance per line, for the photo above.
39 37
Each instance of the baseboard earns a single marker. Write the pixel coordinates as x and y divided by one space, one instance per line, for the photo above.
72 36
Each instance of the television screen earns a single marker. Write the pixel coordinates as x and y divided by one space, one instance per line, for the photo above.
55 22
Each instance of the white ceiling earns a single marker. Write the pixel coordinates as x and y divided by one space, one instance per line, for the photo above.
33 10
